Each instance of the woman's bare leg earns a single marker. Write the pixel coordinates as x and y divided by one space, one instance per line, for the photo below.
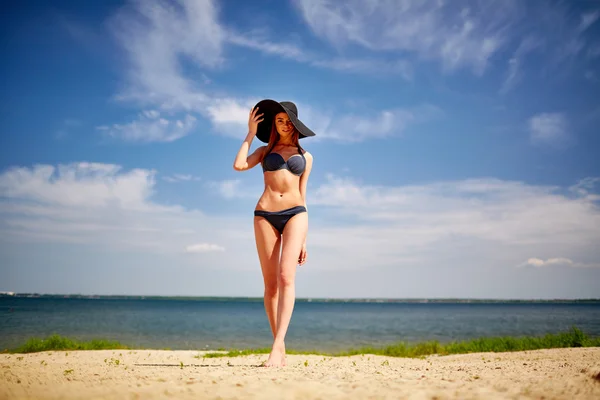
294 236
268 243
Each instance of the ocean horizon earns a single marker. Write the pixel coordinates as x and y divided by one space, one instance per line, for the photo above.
321 325
307 299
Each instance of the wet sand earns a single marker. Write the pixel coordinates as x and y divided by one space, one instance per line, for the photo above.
152 374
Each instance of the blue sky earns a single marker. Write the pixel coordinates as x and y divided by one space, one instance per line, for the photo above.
455 156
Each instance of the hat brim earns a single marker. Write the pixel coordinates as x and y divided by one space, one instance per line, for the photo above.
270 108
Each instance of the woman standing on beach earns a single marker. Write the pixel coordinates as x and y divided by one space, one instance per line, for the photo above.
280 216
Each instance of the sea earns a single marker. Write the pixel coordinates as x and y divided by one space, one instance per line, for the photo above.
320 325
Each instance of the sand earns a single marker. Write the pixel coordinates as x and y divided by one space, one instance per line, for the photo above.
153 374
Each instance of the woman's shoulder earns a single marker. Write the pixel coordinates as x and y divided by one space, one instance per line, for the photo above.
307 154
261 149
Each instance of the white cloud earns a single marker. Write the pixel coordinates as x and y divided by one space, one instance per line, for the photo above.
156 36
588 19
536 262
228 188
585 186
181 178
357 128
549 129
459 36
80 184
365 65
204 248
159 36
365 125
234 189
260 43
151 33
566 38
103 206
150 127
151 114
351 65
467 221
515 63
229 116
539 263
361 226
486 225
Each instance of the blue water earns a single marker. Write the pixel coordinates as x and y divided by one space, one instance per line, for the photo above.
325 326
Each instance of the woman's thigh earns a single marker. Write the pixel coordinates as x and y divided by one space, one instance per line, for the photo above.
268 243
294 236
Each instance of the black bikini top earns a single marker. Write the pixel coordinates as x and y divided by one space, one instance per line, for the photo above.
296 164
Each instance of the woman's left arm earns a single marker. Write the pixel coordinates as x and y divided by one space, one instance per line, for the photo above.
303 183
304 177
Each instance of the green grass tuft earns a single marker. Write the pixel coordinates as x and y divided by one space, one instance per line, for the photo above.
57 342
573 338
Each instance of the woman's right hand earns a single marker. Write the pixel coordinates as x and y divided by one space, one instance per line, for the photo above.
254 120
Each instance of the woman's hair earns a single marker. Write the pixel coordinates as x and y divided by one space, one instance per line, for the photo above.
274 138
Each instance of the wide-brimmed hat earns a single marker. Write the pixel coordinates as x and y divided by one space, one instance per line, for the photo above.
270 108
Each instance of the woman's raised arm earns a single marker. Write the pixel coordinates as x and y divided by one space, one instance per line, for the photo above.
242 162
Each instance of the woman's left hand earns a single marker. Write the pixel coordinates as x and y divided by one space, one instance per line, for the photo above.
302 257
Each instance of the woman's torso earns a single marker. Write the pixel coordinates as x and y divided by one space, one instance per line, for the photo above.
282 169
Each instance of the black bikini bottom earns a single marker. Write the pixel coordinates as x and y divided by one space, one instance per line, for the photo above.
279 218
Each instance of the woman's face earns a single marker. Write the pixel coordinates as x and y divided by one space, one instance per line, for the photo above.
284 125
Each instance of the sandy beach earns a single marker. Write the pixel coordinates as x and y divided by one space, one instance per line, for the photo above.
151 374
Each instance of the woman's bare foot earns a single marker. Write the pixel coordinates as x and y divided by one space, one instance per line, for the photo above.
277 357
283 356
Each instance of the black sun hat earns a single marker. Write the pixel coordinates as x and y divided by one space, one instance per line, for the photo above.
270 108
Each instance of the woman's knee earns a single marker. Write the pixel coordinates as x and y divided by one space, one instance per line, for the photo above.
271 290
286 279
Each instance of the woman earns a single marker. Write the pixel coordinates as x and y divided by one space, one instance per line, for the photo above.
280 216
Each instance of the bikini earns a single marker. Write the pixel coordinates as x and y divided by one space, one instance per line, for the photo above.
296 164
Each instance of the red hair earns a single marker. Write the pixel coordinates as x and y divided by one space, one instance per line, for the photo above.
274 138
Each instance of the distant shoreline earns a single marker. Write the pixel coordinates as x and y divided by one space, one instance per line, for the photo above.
301 300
